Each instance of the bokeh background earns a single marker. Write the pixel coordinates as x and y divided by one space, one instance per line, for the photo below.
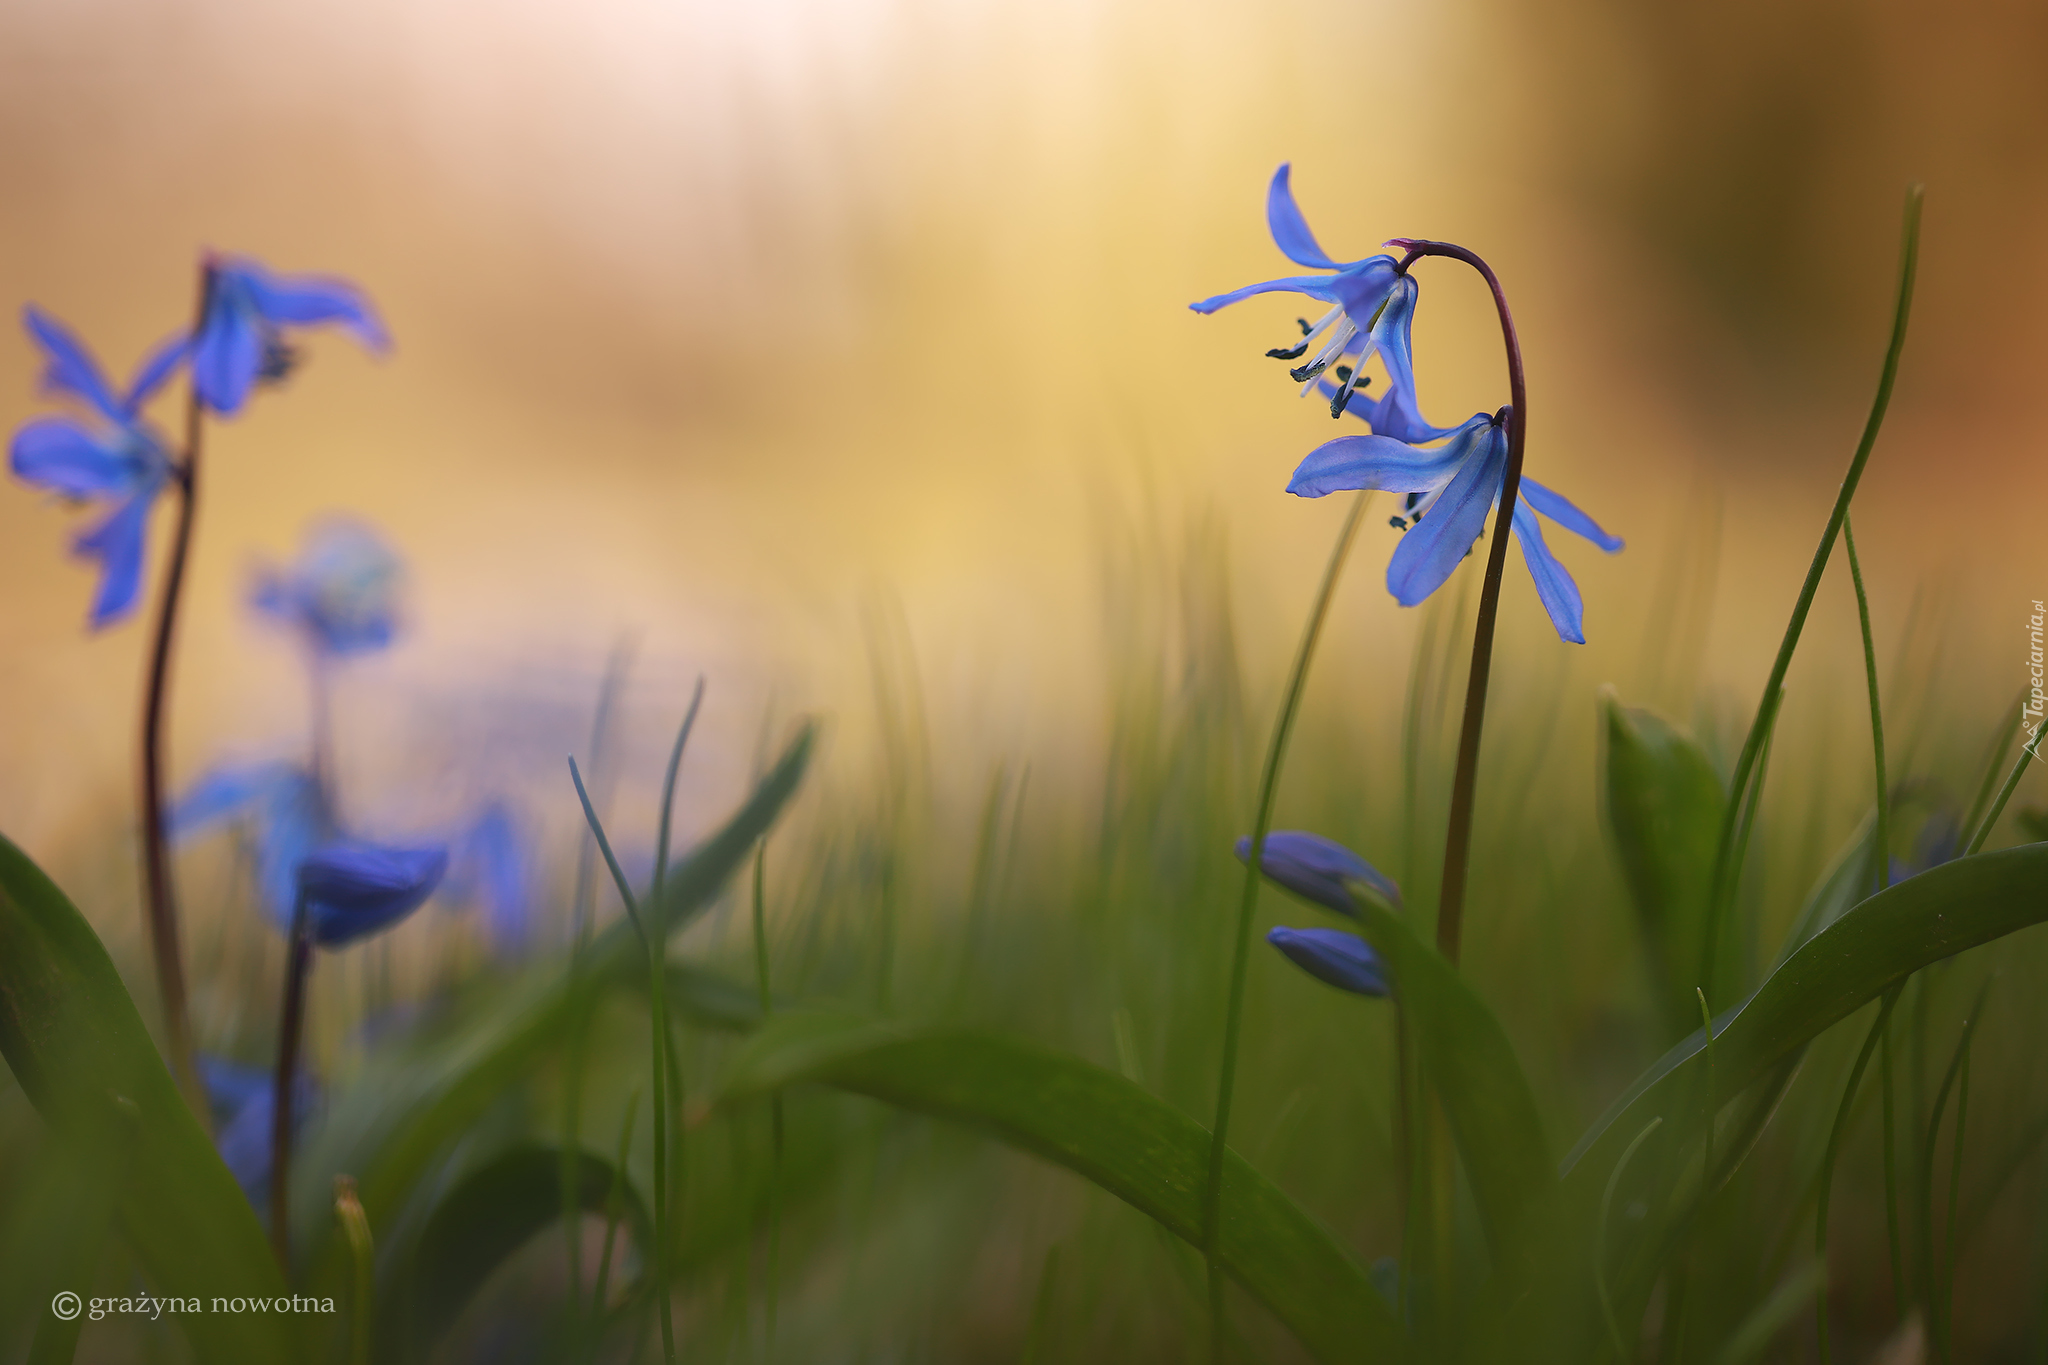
747 336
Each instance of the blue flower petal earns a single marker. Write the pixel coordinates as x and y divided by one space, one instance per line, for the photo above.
1290 229
305 300
500 874
241 1099
1437 543
1316 869
1555 586
68 366
58 454
1343 960
1560 510
117 543
1315 286
354 889
226 792
341 593
294 821
1393 414
1384 463
156 367
228 351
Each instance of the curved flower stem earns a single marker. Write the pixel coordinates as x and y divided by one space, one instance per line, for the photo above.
291 1024
1450 915
1726 857
1233 1018
156 856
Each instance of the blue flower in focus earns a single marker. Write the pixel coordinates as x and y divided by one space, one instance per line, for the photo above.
241 1100
1344 960
112 458
354 889
1372 306
1451 490
1316 869
241 338
341 594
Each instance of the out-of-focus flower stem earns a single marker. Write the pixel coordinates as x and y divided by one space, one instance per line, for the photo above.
156 856
1212 1194
1450 915
291 1023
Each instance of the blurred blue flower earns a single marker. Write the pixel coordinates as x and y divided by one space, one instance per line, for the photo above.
241 1100
1451 490
354 889
1372 307
288 817
1344 960
341 593
491 866
1316 869
241 336
112 458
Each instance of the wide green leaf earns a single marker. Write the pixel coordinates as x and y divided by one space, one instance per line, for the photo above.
485 1216
388 1128
1472 1069
1104 1128
1663 803
1878 943
82 1055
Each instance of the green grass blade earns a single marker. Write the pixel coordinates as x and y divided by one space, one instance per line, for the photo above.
408 1109
486 1216
1663 801
1473 1070
1105 1129
83 1057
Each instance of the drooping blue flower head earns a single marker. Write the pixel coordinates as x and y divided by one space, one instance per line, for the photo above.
241 1100
288 814
112 458
1372 308
491 865
1452 488
1344 960
353 889
341 594
1316 869
241 338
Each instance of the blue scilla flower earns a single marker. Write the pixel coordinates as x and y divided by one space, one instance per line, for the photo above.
491 866
1372 306
1316 869
1344 960
241 339
1451 489
353 889
112 457
286 813
241 1100
340 595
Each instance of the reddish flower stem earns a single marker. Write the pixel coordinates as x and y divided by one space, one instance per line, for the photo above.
1450 917
162 908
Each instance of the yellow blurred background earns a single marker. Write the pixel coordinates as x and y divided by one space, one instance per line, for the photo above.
729 329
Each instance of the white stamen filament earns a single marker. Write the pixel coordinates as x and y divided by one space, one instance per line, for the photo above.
1339 342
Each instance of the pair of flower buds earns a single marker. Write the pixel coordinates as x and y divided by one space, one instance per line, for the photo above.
1324 871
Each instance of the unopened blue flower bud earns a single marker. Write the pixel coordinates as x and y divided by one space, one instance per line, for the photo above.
1316 869
1344 960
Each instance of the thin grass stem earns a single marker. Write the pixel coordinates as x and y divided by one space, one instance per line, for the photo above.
2029 751
291 1024
1884 840
1226 1085
1891 1170
774 1102
1928 1296
1621 1351
1727 857
612 1206
657 998
1955 1185
1827 1171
